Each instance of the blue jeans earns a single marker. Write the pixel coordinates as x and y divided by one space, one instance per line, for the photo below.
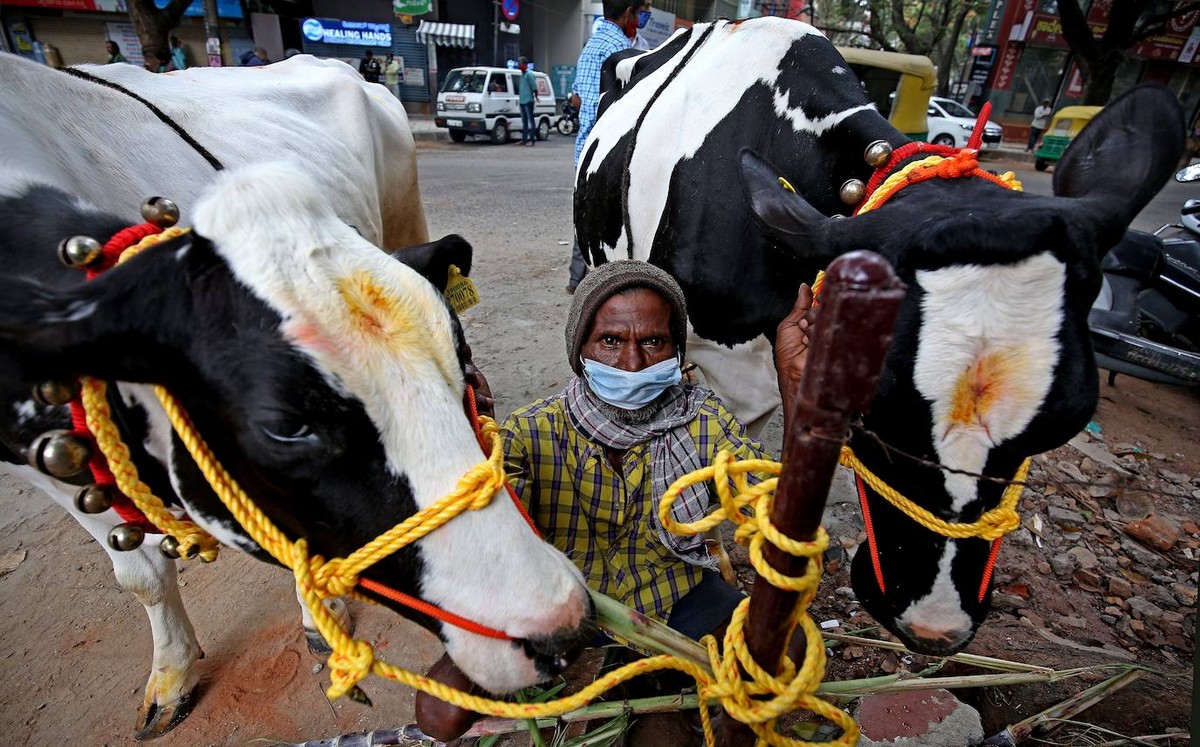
528 128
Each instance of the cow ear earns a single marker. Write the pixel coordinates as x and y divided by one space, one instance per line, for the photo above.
111 327
433 260
785 217
1124 155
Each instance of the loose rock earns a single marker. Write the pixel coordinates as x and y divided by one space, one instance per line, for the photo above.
931 718
1084 557
1062 564
1155 531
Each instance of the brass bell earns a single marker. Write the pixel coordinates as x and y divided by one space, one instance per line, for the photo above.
160 211
126 537
60 453
877 153
94 499
169 546
56 392
80 252
852 191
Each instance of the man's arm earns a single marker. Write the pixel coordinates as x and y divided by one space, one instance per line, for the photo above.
791 349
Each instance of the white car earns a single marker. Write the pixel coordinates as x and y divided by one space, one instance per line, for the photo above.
951 123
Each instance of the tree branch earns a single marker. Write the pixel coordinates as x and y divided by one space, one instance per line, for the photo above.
174 11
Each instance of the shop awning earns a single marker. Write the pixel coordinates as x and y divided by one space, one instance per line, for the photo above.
446 34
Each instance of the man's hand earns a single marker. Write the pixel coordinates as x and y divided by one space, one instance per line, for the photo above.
484 402
791 347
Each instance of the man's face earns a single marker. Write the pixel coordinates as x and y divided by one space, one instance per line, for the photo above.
631 331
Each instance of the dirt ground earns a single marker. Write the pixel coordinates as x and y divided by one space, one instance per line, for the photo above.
76 649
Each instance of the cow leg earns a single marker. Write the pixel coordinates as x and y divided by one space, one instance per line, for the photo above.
316 642
149 576
742 376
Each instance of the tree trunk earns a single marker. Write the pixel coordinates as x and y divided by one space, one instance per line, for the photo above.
153 25
1099 79
947 49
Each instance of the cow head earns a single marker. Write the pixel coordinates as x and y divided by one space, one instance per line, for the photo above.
328 378
990 361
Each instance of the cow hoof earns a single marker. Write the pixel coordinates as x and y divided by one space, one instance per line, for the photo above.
155 720
316 642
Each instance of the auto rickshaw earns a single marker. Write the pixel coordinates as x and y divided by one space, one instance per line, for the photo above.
1066 124
898 84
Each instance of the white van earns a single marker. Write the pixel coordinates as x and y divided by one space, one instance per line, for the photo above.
483 101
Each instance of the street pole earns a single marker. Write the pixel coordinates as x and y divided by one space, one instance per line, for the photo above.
496 33
212 33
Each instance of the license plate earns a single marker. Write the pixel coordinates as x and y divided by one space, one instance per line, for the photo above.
454 123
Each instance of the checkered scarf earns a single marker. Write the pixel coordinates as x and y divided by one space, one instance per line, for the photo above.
673 453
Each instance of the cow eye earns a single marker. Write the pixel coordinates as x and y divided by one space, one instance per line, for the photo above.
291 433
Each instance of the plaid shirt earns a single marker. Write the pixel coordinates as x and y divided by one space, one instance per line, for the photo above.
601 519
609 38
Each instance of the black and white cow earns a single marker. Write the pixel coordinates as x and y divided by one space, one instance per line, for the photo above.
990 361
338 429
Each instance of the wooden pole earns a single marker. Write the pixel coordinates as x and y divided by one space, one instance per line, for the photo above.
849 340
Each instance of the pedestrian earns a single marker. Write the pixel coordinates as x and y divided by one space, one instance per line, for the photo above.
391 74
612 35
369 68
114 52
256 57
1041 118
591 462
527 91
178 54
637 41
157 60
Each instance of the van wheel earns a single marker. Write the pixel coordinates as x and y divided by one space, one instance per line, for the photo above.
500 132
543 129
458 136
1041 164
944 140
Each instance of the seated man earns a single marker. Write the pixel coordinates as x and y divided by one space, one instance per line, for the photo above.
591 462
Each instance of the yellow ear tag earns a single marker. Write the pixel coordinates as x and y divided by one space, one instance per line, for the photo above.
460 291
786 185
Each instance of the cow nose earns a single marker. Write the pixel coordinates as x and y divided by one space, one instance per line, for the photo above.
924 639
553 653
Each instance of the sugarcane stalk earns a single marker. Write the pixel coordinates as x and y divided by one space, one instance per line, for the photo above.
647 634
987 662
594 712
1022 730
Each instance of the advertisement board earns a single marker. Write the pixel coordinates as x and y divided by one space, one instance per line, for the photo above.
336 31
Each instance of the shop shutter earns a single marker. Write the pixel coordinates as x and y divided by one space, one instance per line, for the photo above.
78 39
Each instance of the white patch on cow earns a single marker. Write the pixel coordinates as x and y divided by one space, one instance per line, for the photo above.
941 609
182 252
986 355
691 96
25 411
625 69
839 70
801 122
380 333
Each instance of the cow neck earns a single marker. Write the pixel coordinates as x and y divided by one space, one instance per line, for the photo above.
917 162
317 578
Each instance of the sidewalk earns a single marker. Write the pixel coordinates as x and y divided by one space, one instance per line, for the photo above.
423 129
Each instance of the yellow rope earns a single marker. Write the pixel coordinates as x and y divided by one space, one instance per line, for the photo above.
905 175
990 525
757 701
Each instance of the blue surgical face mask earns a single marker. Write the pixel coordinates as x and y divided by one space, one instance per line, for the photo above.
630 390
643 19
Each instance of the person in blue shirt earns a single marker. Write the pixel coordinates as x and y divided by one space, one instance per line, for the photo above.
613 34
528 95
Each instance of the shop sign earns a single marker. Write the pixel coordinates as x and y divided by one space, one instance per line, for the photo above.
225 8
659 28
411 7
127 39
358 33
563 77
1005 69
108 6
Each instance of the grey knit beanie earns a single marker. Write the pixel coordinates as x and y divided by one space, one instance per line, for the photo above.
606 281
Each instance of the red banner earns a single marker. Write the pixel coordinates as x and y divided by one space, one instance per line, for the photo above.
1005 68
111 6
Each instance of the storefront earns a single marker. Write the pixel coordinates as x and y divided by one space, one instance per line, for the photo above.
75 31
351 40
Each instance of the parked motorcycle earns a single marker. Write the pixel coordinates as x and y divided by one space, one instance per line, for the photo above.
1146 320
568 121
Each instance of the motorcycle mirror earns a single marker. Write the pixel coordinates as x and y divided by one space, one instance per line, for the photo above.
1188 173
